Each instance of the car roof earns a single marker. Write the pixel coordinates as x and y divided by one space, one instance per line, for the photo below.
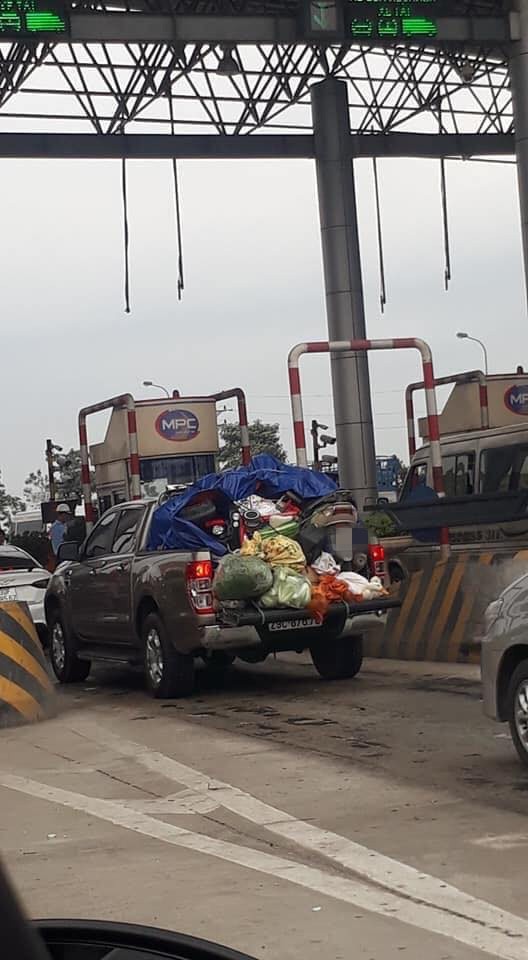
9 550
447 439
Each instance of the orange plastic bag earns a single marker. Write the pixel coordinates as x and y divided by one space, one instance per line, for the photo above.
328 590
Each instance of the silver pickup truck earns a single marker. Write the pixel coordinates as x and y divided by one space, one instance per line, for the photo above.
113 599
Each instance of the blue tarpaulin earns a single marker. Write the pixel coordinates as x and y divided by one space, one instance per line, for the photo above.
265 476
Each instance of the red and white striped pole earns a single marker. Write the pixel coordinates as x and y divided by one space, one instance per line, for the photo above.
483 401
85 472
135 477
126 400
467 377
240 397
356 346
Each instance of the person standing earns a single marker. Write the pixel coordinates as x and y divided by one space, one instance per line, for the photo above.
3 538
58 527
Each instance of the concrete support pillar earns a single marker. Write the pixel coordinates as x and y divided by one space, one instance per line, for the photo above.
519 87
344 287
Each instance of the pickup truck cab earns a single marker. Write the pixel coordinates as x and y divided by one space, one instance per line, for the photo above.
113 599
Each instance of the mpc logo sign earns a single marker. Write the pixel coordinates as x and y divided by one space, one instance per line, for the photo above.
516 399
177 425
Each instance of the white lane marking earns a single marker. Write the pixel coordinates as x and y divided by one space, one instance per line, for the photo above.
363 861
182 803
506 841
507 943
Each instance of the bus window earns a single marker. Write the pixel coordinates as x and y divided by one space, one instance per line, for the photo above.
459 474
504 469
416 477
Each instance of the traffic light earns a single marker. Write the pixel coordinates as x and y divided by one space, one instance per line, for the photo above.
52 466
320 441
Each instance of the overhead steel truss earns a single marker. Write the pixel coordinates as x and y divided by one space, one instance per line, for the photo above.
458 91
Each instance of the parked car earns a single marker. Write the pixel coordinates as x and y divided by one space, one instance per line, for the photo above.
113 599
504 662
22 578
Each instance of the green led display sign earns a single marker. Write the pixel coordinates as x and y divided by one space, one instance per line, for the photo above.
32 18
391 19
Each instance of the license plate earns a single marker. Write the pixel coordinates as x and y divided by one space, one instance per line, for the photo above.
7 593
303 623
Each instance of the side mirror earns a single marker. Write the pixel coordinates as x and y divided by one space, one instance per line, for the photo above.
68 551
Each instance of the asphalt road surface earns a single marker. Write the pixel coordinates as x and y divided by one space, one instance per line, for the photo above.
378 817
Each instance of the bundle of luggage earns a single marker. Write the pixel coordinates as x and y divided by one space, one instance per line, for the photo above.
281 536
284 560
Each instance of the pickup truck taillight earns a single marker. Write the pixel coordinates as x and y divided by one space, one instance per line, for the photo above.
199 577
376 555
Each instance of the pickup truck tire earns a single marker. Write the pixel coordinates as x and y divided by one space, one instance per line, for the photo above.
517 707
168 673
336 658
63 653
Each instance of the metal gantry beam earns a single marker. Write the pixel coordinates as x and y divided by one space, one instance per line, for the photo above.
233 29
111 89
153 146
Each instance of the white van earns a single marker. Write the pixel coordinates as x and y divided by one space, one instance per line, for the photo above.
479 461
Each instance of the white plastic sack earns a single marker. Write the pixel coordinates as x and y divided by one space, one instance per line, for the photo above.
360 586
324 564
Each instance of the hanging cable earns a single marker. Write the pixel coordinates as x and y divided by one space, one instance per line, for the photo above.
443 196
383 291
177 206
445 224
124 194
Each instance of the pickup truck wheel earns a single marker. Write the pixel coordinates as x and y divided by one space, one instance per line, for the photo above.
62 653
168 672
518 710
337 658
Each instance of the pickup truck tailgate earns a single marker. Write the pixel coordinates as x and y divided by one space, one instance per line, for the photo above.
257 617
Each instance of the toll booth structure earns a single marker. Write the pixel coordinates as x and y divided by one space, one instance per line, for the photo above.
154 444
477 401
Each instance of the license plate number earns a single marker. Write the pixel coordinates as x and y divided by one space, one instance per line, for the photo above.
303 623
7 593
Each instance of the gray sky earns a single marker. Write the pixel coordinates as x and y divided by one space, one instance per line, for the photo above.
253 287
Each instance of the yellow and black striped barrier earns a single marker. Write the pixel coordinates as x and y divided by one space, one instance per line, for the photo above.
26 691
443 604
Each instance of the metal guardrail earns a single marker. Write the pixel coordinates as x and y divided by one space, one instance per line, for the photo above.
480 508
